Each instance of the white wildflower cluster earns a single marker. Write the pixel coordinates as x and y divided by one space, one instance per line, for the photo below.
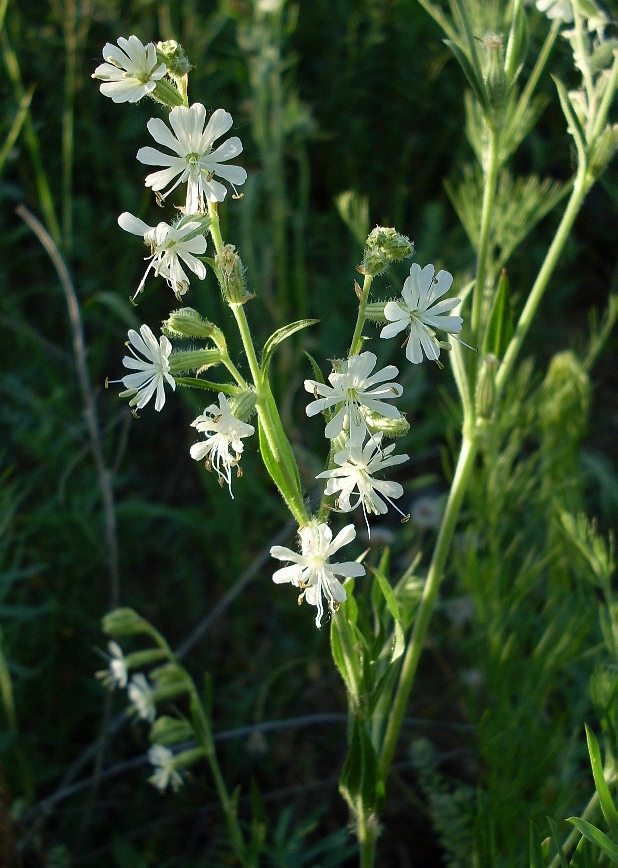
356 402
132 71
357 399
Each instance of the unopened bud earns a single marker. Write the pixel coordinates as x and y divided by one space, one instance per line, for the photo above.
124 622
173 55
486 387
382 247
494 72
231 276
603 150
187 323
168 730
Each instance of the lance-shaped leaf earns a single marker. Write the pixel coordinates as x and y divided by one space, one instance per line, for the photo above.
500 326
609 847
281 335
605 798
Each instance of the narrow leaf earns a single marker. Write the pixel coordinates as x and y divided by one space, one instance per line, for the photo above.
361 783
389 594
605 798
198 383
316 368
609 847
281 335
500 326
536 853
557 843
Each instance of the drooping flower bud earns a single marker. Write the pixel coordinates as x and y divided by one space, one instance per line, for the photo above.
186 361
173 55
187 323
242 405
124 622
382 247
391 428
231 275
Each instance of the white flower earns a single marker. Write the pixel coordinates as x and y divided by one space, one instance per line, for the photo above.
165 773
116 675
151 371
418 312
311 570
556 9
130 73
357 464
352 387
225 432
169 245
141 697
193 159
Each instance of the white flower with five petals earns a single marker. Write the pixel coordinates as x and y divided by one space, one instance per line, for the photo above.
224 446
418 312
193 159
354 475
165 773
142 698
169 245
151 371
129 72
311 569
117 673
353 387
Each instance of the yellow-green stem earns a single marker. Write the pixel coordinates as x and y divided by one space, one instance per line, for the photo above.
490 171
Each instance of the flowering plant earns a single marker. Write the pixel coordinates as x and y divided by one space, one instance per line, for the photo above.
361 402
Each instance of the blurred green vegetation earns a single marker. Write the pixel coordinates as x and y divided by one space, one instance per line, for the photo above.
368 99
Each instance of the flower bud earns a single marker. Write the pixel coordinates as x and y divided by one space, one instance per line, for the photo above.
382 247
486 387
124 622
186 361
243 404
392 428
172 54
187 323
231 276
494 72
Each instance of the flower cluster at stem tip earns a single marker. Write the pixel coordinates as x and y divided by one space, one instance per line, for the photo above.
357 399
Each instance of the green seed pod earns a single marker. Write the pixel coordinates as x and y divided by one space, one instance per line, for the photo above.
187 323
168 731
604 149
382 247
494 72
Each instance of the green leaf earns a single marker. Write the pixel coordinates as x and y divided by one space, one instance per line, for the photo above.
281 335
389 594
500 326
361 783
536 853
316 368
557 843
473 80
605 798
609 847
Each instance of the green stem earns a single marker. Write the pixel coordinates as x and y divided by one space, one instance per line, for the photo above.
271 426
430 592
68 111
489 194
357 341
367 837
580 189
